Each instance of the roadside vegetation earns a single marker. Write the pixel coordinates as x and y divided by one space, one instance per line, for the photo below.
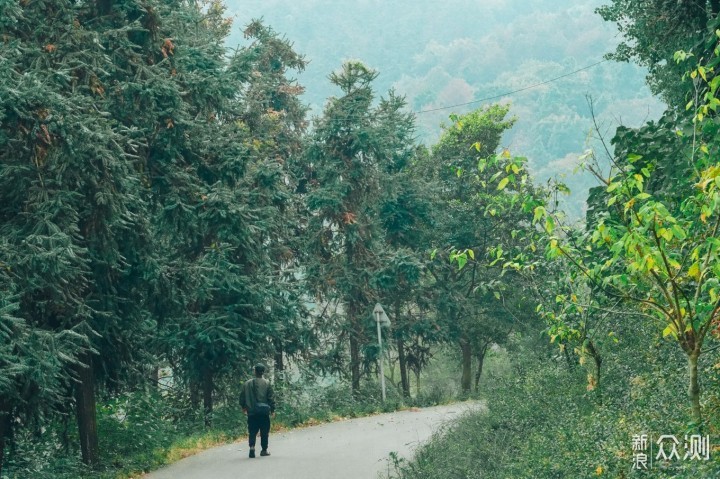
169 216
628 299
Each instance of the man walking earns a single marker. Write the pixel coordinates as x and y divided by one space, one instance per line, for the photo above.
258 402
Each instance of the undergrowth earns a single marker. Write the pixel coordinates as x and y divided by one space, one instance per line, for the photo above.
143 431
544 421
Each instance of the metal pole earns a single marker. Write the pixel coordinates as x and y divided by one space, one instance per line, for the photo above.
382 372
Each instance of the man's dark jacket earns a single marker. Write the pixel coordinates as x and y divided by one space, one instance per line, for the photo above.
264 391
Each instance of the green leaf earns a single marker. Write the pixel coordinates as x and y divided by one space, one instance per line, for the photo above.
678 232
503 183
549 224
538 212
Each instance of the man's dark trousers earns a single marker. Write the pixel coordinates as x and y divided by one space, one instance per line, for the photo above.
262 424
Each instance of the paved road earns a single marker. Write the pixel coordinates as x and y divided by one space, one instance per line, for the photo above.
351 449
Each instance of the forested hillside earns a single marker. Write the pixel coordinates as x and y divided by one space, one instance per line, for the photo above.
466 51
174 211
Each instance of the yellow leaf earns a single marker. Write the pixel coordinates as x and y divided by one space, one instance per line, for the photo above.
650 263
670 330
694 271
599 470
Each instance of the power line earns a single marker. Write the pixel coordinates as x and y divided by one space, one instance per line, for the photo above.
495 97
529 87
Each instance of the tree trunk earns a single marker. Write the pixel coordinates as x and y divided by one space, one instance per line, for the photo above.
417 383
355 335
155 377
5 425
404 379
86 412
568 361
478 373
694 388
279 360
597 359
466 381
194 395
207 387
355 362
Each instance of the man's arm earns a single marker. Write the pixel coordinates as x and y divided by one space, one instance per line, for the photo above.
243 398
271 397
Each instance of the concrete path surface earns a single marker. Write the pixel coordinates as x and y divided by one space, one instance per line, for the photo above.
350 449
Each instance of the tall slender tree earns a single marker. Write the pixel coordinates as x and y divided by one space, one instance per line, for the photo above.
477 190
71 187
352 148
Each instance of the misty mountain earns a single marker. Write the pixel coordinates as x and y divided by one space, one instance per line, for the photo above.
440 54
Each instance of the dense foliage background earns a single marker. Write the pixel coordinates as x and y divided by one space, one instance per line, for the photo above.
173 211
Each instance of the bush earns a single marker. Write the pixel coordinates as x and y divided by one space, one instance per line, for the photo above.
543 422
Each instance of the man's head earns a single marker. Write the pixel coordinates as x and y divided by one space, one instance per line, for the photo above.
259 370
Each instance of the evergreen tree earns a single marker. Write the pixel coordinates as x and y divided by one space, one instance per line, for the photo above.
72 203
352 149
405 214
275 116
225 217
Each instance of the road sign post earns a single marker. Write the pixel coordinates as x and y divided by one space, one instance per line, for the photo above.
382 320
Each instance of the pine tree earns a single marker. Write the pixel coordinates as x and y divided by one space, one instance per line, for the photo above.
275 117
406 215
72 200
348 158
225 217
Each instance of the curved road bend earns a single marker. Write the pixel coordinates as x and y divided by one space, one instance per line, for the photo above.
350 449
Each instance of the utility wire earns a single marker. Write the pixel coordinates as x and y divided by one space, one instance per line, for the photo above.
494 97
529 87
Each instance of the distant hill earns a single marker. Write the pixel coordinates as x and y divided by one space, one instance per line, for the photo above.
461 51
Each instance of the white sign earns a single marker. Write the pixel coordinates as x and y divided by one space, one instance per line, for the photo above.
380 315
